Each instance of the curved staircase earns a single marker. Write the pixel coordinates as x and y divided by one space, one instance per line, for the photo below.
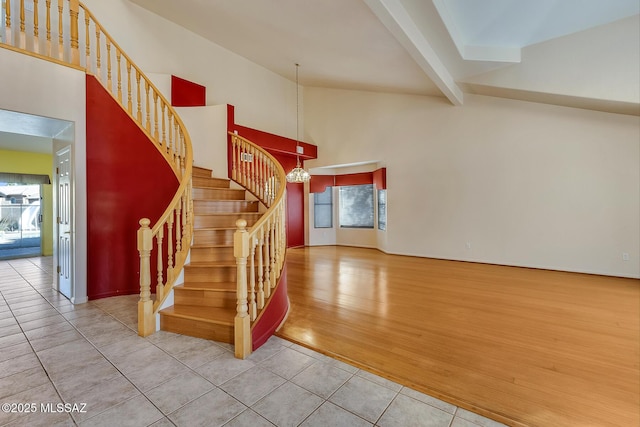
205 304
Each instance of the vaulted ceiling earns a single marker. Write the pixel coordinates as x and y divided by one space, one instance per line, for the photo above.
582 53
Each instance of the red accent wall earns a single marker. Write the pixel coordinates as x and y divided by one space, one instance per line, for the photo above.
127 179
273 315
354 179
284 150
319 183
187 94
380 178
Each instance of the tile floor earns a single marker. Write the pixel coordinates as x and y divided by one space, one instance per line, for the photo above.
52 352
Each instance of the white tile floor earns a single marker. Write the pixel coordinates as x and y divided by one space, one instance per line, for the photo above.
52 352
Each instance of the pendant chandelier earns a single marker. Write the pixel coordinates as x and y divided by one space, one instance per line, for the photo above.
297 174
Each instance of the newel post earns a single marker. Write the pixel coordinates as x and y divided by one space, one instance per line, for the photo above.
146 319
242 324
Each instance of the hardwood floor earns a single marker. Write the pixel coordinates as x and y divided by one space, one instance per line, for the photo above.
525 347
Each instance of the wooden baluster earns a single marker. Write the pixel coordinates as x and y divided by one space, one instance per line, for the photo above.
176 149
170 141
98 63
7 23
242 323
74 7
138 98
249 168
148 108
260 269
267 186
48 25
240 162
276 245
36 29
129 103
178 230
155 116
186 208
164 132
109 82
183 153
23 35
262 177
234 175
273 256
244 164
246 171
254 181
170 248
267 264
60 32
253 312
87 43
119 75
146 318
160 284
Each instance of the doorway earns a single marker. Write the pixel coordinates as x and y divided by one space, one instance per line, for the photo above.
64 221
20 220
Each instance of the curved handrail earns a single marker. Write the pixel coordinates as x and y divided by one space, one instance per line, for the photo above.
260 250
98 54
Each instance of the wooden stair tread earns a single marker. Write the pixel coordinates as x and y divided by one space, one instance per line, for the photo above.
201 172
213 245
211 264
204 199
220 316
208 286
217 228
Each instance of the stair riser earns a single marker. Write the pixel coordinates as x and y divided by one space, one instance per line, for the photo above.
196 328
216 206
198 181
212 254
222 299
223 220
201 172
218 193
213 237
210 274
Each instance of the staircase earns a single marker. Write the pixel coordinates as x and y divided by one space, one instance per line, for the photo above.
236 270
205 305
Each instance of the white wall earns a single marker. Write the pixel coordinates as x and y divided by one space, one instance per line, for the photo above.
523 183
207 128
263 99
43 88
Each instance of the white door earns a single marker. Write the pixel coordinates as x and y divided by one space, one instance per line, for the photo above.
64 221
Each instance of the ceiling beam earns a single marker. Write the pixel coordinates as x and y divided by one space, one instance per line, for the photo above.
398 21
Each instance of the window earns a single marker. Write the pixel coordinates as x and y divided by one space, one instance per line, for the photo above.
356 206
323 209
382 209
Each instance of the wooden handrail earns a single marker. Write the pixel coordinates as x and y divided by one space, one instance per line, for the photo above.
84 44
259 250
